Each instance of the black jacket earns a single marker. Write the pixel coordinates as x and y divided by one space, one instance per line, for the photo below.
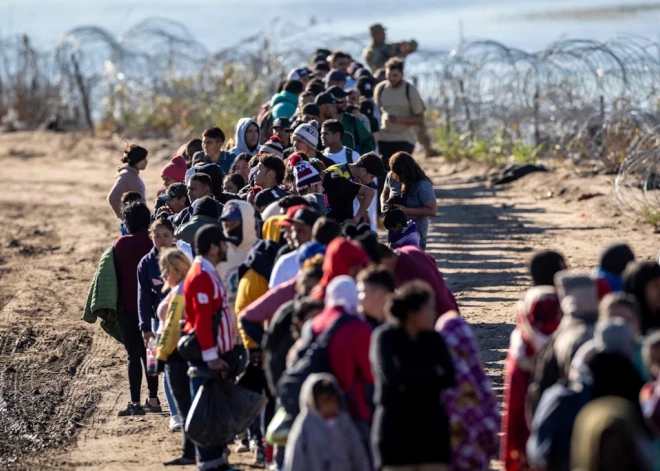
410 425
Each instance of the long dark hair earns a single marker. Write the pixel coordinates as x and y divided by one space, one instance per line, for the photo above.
407 171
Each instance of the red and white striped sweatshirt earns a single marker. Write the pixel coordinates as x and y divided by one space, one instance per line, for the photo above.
205 295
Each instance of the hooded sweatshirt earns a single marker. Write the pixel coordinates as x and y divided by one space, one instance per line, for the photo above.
408 236
241 147
342 255
237 254
319 444
348 348
127 179
284 104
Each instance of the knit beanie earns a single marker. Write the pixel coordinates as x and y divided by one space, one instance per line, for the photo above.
176 169
308 133
273 146
207 206
578 294
304 173
615 336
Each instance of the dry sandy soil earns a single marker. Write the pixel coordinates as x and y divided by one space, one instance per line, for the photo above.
62 381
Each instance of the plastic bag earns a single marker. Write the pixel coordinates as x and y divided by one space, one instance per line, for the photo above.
279 428
220 411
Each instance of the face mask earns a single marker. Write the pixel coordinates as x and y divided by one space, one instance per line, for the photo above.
236 235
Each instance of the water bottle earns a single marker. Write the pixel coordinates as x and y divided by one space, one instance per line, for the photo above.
151 357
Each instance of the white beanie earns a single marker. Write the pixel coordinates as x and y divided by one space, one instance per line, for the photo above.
308 133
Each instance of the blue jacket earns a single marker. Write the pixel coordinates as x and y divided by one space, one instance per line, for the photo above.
283 105
150 289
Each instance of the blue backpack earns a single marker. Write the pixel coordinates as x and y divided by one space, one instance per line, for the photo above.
312 358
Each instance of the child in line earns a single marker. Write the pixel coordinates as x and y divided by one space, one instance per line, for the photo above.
323 437
401 231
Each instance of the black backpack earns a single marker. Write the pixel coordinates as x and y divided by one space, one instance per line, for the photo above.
312 358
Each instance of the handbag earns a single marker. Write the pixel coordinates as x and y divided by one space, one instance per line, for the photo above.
189 348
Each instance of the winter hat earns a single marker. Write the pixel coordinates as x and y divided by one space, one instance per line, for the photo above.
304 173
342 292
578 294
615 336
176 169
308 133
273 146
207 206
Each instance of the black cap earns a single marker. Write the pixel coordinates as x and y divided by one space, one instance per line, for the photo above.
207 206
321 66
312 110
325 99
302 216
207 235
266 197
337 93
177 190
365 86
282 123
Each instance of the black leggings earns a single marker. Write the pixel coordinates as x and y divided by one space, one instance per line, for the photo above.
137 355
177 371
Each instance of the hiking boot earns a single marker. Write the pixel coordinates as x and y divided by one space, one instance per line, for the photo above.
131 409
152 405
175 423
260 456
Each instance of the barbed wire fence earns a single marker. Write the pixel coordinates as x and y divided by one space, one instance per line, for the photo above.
592 102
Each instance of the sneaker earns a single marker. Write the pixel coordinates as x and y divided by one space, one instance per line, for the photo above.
242 446
175 423
254 443
181 461
131 409
152 405
260 456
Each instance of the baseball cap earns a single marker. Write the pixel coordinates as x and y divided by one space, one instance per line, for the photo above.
231 212
325 99
365 85
312 109
372 163
297 74
336 76
376 28
304 216
177 190
337 93
282 123
321 66
290 212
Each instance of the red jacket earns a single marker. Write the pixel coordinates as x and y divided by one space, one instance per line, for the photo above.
348 358
205 295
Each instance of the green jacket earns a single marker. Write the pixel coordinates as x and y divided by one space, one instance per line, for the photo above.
356 136
102 297
187 232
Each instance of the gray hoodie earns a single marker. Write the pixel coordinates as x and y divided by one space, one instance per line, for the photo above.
240 146
316 444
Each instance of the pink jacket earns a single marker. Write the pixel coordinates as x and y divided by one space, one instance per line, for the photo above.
128 179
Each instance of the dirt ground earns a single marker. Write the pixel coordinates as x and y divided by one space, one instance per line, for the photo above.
62 381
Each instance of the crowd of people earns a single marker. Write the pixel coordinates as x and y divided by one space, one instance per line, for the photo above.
261 266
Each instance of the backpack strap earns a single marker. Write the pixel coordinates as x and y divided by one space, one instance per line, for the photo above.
349 154
324 338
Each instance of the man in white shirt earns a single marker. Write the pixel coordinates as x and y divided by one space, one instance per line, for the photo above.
332 133
301 223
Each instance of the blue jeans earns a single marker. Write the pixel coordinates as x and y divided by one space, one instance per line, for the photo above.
207 457
169 397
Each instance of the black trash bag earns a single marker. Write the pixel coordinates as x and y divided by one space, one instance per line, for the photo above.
210 421
244 404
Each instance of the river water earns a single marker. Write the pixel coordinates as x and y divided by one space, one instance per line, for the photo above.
435 24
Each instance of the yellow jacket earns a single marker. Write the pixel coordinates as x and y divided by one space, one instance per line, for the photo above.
169 338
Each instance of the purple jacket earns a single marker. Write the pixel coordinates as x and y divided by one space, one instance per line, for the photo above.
408 236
